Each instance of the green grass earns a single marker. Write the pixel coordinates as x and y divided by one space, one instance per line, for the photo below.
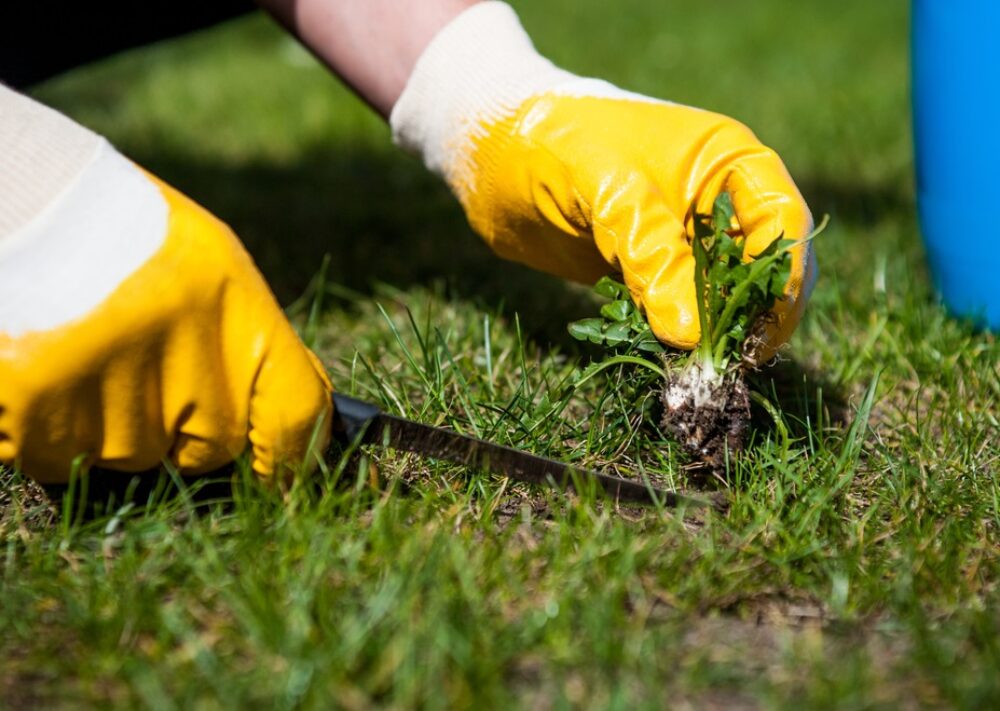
857 565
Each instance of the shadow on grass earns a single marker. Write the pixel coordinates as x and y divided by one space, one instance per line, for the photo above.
382 219
806 398
856 203
102 492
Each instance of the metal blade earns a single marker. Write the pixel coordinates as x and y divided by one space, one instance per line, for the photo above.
360 421
439 443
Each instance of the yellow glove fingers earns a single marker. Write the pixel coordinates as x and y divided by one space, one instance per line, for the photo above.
290 408
276 388
650 245
49 419
217 318
119 387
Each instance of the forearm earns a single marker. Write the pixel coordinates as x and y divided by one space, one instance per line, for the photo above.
371 44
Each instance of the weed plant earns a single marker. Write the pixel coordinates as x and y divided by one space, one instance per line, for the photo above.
705 398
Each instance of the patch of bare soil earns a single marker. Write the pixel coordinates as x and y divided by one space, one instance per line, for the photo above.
775 641
22 686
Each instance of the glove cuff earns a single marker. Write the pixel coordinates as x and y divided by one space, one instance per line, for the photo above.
76 217
41 154
477 70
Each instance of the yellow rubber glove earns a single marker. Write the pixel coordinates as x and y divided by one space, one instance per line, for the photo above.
135 329
578 178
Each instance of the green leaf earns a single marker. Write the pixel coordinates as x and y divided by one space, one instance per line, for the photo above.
729 250
587 329
723 212
701 267
609 288
618 310
616 333
650 346
638 321
739 273
778 284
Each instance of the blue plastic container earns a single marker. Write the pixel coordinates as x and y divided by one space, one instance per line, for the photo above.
956 120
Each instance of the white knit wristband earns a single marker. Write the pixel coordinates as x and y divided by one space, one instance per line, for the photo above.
479 68
76 217
42 153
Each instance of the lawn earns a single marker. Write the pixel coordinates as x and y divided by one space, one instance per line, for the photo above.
857 565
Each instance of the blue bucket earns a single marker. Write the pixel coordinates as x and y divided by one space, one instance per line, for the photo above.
956 123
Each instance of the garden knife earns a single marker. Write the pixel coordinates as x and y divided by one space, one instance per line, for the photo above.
364 423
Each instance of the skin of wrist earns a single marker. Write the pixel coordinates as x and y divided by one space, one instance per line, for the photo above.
372 45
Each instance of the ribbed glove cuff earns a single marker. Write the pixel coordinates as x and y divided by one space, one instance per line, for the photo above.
42 153
477 70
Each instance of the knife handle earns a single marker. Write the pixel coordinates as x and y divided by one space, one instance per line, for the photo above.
351 417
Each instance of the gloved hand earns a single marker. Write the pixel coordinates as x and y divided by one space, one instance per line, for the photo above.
577 178
134 327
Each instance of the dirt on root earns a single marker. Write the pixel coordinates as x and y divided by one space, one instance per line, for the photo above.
709 418
25 507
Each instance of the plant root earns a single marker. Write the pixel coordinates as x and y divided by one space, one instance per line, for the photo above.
708 415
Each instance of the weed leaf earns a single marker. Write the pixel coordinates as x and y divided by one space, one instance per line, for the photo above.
618 310
610 289
588 329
